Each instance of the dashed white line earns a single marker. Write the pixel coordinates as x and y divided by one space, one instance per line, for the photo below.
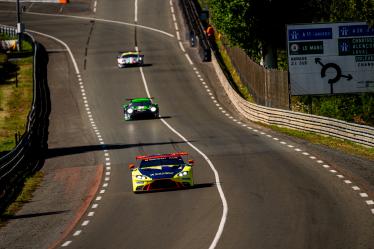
95 205
85 223
356 188
90 214
98 198
67 243
364 195
370 202
77 232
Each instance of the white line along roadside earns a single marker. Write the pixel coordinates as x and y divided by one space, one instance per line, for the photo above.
216 175
94 127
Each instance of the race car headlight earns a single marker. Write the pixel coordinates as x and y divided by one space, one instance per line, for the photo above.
153 109
183 173
141 177
130 110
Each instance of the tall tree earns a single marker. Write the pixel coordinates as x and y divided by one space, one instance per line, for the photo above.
258 26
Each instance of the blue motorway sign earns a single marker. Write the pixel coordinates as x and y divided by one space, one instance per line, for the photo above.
355 30
309 34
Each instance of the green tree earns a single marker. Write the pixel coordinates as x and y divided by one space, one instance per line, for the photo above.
258 26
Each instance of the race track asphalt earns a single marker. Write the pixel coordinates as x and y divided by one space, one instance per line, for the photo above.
276 197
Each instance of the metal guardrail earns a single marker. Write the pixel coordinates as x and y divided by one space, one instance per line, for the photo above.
8 30
195 31
360 134
28 154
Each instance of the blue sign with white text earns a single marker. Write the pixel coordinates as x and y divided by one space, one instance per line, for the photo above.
355 30
309 34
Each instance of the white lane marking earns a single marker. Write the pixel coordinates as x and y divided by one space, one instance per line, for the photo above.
136 11
102 20
176 26
319 161
370 202
326 166
364 195
105 185
372 211
181 46
85 223
216 175
333 171
347 181
189 59
305 153
77 232
95 7
67 243
95 205
297 149
312 157
178 36
98 198
90 214
340 176
102 191
356 188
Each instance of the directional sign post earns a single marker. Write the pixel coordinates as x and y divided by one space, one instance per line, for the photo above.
331 58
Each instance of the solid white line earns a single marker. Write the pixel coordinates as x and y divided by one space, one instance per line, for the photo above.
136 11
216 175
102 20
218 185
181 46
189 59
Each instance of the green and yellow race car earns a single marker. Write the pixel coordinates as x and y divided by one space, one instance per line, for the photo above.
161 171
140 108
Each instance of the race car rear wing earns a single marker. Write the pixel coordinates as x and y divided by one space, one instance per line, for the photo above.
129 99
177 154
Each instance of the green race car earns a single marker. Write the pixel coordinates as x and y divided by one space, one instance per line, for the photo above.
140 108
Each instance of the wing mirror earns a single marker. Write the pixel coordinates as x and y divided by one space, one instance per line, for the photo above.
190 161
131 166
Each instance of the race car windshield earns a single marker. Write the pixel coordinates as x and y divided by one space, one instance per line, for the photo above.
162 161
143 103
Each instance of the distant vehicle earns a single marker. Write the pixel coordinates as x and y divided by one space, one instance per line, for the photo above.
161 172
130 58
140 108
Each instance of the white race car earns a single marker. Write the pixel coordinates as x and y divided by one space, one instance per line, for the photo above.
132 58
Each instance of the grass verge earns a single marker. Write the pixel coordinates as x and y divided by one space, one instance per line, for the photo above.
25 196
331 142
15 100
244 92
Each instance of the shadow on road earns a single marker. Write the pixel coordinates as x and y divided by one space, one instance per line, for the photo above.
23 216
56 152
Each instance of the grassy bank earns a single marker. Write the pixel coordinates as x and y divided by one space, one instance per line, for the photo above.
16 85
25 196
